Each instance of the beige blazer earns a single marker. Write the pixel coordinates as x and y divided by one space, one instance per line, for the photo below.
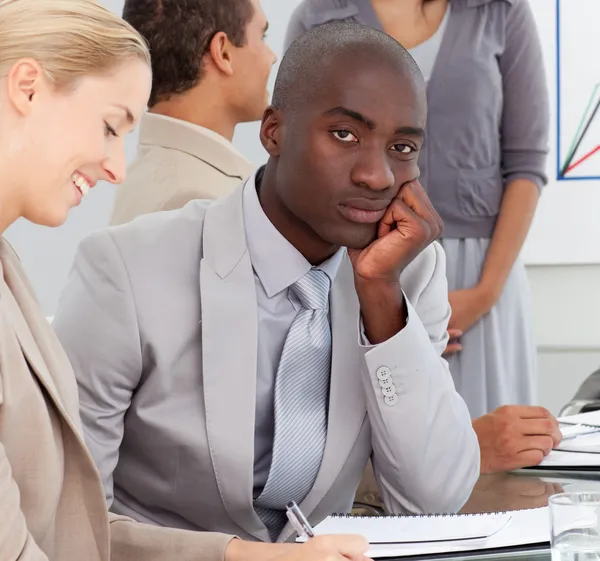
52 506
176 163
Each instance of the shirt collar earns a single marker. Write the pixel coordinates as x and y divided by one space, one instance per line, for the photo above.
277 263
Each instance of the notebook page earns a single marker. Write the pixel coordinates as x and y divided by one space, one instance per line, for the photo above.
525 528
415 529
589 443
559 459
574 431
591 418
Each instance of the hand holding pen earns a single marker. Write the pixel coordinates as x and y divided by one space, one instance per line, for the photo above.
323 548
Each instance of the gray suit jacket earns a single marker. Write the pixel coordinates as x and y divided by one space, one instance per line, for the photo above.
159 321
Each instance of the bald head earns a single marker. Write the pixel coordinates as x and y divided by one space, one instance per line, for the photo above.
346 47
344 131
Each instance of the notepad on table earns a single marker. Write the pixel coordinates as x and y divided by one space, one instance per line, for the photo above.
570 432
522 529
580 448
415 529
586 443
568 461
590 418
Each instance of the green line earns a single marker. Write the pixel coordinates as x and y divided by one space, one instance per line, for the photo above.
581 124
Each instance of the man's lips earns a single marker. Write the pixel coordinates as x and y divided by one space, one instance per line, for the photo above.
364 211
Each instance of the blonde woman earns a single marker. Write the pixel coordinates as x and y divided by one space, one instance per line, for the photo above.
74 80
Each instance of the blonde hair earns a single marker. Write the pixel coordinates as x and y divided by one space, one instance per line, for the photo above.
68 38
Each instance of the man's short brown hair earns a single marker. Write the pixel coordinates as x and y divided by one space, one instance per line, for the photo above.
179 33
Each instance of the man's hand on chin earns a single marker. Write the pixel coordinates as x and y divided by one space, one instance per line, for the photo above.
409 225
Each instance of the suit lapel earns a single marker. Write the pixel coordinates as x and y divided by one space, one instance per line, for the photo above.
16 304
347 405
229 358
229 354
48 364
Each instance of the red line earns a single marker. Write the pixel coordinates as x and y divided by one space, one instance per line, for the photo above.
581 160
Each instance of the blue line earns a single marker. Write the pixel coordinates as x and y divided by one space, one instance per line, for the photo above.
558 100
568 178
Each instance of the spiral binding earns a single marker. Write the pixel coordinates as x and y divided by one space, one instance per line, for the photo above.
434 515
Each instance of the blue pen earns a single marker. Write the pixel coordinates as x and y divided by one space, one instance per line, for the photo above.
299 521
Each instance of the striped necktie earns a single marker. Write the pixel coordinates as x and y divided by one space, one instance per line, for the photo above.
301 398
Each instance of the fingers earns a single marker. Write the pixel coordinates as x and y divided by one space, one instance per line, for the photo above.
532 412
542 427
414 196
411 217
346 546
538 421
421 193
556 437
452 349
454 345
538 427
454 333
399 213
543 444
529 458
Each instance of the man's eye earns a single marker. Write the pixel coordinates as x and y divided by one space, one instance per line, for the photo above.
344 136
403 148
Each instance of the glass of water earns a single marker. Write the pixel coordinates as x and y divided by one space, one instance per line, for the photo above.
575 526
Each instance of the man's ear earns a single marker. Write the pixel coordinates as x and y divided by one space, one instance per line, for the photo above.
220 51
271 131
25 81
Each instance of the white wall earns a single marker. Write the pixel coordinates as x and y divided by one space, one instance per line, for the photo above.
566 304
566 228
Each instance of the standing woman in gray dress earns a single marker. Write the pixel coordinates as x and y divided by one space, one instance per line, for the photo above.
483 165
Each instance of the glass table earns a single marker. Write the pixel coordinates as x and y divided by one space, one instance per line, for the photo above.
521 490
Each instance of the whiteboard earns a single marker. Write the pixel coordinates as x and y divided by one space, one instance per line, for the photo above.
566 229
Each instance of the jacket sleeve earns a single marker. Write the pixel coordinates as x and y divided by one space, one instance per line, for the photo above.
425 451
525 119
16 543
96 322
131 541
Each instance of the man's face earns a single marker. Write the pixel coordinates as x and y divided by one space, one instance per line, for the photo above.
252 67
348 151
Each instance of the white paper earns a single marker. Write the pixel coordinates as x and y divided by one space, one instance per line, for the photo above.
415 529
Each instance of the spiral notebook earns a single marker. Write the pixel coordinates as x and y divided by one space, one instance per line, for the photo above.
578 451
463 534
416 529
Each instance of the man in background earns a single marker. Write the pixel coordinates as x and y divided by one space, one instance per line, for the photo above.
210 66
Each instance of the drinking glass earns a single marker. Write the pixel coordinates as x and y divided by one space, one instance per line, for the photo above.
575 526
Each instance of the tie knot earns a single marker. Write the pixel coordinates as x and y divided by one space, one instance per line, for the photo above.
313 290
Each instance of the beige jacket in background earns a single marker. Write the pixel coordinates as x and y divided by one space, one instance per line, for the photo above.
176 163
52 505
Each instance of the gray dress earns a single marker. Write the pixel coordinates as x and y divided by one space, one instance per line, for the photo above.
497 365
482 66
